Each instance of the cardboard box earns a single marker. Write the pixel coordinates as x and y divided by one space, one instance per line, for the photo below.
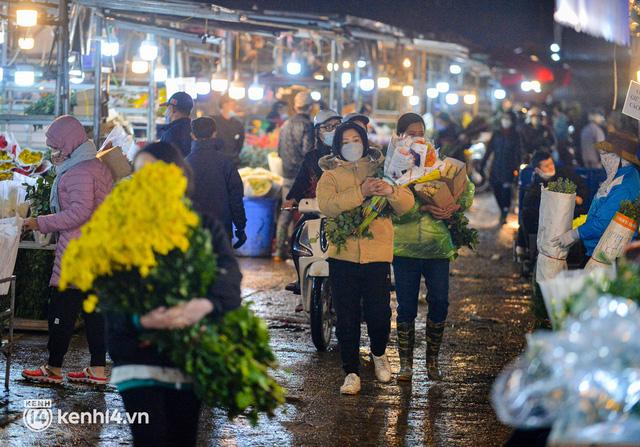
458 183
442 198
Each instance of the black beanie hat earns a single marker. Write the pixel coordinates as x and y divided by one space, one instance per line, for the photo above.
406 120
337 138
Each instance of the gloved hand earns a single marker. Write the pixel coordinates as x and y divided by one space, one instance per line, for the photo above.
242 238
566 240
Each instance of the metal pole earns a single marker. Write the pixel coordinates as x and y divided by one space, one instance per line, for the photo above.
172 57
5 52
332 82
151 109
340 86
356 87
62 80
97 75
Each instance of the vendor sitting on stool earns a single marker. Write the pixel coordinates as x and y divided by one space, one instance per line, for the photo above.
619 159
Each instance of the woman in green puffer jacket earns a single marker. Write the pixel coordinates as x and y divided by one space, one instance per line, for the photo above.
423 248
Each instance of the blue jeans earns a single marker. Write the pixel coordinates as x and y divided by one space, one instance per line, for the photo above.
408 273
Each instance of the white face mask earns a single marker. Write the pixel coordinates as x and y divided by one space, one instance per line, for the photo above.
506 124
327 137
352 151
610 163
545 175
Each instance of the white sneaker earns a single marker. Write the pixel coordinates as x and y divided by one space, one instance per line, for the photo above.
351 384
383 368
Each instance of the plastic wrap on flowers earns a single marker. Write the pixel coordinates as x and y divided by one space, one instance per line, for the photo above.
583 380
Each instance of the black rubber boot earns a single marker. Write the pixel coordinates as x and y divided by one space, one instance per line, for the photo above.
434 340
406 342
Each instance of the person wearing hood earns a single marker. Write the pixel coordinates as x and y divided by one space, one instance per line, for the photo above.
423 248
618 158
81 184
359 272
177 131
506 150
295 141
534 134
304 186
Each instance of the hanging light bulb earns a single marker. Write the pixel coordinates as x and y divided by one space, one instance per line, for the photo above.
26 43
255 91
219 83
345 78
203 88
452 99
293 66
160 74
469 99
110 47
346 65
318 77
367 84
526 86
443 87
148 50
26 16
384 82
236 89
455 69
432 92
139 66
407 90
361 63
316 95
499 93
414 100
329 67
406 63
24 76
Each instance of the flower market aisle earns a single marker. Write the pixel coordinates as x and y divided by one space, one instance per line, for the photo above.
489 315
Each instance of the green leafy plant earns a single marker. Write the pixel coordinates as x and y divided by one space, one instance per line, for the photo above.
562 185
40 193
631 209
229 358
462 235
344 227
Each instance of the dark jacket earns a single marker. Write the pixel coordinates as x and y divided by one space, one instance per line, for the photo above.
534 139
218 189
231 132
531 201
178 133
506 150
304 186
296 139
123 338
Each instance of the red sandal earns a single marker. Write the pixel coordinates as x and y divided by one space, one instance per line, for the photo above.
86 376
42 375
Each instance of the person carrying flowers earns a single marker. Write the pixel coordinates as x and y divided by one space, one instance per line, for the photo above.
423 247
148 380
81 184
359 270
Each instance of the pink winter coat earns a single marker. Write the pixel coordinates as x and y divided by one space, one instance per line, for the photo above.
80 191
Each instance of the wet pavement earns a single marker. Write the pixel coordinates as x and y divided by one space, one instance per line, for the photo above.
488 317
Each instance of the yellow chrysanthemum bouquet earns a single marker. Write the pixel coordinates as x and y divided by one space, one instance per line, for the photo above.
144 248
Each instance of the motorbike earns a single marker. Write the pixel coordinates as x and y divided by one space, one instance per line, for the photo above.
309 249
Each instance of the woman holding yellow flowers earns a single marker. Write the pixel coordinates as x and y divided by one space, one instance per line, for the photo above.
81 184
147 380
423 247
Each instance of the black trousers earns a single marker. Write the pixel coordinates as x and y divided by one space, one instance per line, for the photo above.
64 308
502 193
173 416
360 289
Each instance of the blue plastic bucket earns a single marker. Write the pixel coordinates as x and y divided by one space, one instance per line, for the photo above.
260 227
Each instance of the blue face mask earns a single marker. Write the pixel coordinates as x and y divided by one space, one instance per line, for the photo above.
352 151
327 138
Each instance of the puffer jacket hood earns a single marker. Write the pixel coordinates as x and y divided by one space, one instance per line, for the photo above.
331 161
